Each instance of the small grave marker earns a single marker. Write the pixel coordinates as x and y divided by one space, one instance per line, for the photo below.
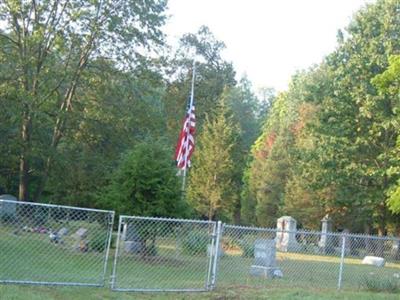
81 243
374 261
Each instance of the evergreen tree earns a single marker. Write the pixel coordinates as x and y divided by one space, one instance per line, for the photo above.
210 182
146 184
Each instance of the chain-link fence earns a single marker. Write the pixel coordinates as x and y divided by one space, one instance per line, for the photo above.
157 254
60 245
271 258
281 258
51 244
371 262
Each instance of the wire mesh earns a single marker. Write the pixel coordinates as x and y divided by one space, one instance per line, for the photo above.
60 245
371 262
263 257
51 244
155 254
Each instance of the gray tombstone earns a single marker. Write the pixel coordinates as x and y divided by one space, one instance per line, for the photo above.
286 234
62 232
395 251
348 242
8 209
81 233
265 259
133 242
325 244
81 243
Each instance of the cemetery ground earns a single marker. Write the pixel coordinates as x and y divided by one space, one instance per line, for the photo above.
30 256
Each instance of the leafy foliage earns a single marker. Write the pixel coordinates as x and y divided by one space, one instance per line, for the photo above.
145 183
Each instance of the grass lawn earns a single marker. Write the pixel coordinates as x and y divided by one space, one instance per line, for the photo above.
31 256
15 292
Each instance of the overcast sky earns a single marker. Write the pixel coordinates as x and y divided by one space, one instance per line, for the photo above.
266 39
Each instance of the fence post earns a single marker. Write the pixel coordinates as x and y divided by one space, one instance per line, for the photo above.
216 255
342 261
108 243
114 270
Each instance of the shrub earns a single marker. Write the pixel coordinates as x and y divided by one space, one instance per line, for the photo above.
230 243
150 250
378 284
247 249
195 242
97 241
8 219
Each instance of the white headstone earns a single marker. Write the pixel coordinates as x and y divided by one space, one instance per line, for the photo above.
374 261
286 234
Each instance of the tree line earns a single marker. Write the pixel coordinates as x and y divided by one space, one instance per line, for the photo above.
330 144
92 99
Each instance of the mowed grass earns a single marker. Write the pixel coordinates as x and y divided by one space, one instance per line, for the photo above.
31 257
21 292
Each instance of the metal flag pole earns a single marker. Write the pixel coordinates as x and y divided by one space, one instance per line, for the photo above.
187 131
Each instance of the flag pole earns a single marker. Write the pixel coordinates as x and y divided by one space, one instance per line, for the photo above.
187 129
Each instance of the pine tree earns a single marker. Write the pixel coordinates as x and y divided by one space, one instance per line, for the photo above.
210 181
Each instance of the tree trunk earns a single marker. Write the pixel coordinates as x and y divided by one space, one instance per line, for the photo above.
381 230
23 194
237 212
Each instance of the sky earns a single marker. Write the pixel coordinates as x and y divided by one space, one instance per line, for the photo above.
268 40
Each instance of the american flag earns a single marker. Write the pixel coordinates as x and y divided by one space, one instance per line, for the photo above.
185 146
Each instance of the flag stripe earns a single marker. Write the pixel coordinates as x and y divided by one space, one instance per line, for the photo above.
185 145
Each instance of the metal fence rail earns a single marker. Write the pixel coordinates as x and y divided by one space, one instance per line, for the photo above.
52 244
158 254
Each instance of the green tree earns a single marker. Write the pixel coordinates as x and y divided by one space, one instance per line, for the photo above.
210 182
388 83
246 116
145 183
49 45
354 133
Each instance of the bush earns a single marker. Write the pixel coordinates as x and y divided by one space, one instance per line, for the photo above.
195 242
150 250
97 241
378 284
8 219
247 249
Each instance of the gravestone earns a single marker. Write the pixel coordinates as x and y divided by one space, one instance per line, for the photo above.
286 234
325 244
133 242
348 242
374 261
62 232
395 251
81 243
265 259
8 209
